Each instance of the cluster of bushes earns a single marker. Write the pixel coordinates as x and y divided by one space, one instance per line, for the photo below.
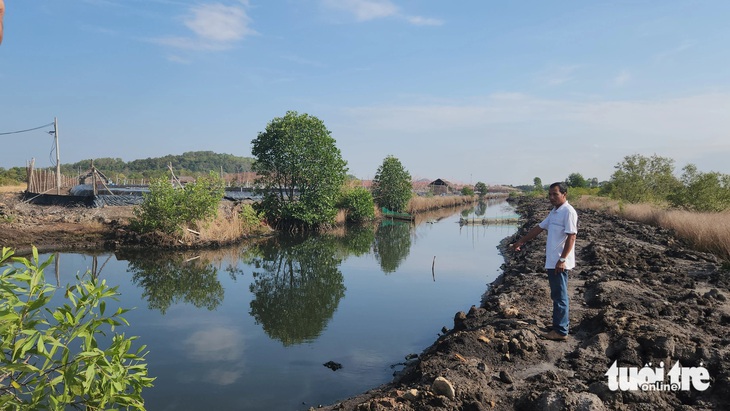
358 203
640 179
168 209
12 176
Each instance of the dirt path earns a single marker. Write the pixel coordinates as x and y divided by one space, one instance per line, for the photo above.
638 296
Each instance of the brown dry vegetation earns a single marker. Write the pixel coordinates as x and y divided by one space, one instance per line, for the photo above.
708 232
13 189
421 204
227 227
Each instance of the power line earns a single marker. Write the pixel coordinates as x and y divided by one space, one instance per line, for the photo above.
24 131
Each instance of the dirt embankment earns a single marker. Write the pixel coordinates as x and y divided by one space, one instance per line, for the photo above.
638 297
57 228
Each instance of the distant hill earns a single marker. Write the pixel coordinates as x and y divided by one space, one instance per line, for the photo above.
190 163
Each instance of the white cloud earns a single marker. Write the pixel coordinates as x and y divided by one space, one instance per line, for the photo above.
177 59
681 117
219 23
214 344
364 9
220 348
424 21
590 136
214 26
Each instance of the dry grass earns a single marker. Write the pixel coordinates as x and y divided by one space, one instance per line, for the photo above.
227 227
421 204
13 189
708 232
340 217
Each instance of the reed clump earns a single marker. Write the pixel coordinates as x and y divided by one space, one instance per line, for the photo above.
421 204
704 231
230 224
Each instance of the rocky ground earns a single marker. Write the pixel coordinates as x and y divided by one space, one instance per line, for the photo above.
638 297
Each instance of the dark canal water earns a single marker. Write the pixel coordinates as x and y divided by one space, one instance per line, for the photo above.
250 327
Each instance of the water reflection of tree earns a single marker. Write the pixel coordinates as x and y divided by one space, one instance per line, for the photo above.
171 279
358 240
297 286
480 209
392 244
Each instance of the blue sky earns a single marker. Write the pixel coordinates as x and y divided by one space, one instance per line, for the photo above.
475 90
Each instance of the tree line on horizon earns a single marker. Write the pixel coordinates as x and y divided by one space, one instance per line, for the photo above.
192 163
652 179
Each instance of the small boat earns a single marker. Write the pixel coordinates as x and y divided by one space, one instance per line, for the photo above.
396 215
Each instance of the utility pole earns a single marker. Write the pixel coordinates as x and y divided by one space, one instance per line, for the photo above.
58 157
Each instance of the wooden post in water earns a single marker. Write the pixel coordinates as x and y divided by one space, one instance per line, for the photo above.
58 157
93 178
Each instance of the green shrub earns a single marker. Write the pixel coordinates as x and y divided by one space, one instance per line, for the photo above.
575 193
704 192
359 204
250 219
167 209
51 356
640 179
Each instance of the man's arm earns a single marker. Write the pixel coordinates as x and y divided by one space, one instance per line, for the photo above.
527 237
569 244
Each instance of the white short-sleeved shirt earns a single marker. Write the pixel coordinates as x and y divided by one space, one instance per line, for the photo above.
559 223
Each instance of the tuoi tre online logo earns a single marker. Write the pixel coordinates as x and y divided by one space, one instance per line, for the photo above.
653 379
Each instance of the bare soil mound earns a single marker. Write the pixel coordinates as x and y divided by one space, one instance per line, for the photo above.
638 297
56 228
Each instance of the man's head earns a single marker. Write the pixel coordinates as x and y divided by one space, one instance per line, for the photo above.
557 193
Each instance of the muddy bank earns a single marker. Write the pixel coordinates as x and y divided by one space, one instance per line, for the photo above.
59 228
56 228
638 297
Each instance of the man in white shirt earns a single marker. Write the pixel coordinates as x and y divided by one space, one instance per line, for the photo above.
562 227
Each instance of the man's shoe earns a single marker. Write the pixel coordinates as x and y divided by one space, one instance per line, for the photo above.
555 336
